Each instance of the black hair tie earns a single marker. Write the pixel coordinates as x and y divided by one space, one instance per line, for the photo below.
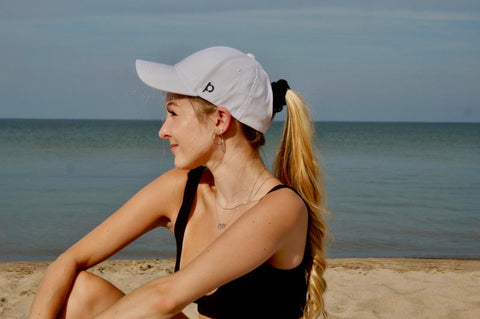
279 90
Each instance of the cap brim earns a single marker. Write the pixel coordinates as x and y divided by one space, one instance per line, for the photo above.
162 77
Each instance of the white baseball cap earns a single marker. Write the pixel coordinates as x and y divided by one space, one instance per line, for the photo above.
223 76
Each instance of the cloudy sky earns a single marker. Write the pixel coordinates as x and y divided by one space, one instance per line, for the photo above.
371 60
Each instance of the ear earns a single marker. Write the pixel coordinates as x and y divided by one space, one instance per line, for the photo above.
223 120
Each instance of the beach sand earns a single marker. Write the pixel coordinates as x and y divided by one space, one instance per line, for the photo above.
357 287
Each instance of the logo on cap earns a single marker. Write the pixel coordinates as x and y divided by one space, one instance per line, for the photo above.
209 88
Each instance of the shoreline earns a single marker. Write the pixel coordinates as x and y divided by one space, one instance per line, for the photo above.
357 287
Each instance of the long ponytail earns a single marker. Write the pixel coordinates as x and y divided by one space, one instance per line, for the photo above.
296 166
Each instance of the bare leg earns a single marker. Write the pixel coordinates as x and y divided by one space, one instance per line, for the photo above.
90 295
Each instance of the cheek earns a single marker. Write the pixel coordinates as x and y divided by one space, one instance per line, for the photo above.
200 138
195 137
195 150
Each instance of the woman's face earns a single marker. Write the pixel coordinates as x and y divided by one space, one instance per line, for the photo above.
190 138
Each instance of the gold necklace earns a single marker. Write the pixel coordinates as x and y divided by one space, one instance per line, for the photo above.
220 225
250 197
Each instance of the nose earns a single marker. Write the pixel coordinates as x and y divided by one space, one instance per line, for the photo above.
164 132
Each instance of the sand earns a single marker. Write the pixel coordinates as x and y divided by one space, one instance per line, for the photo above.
357 287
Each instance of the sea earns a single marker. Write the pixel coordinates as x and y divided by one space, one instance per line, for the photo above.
393 189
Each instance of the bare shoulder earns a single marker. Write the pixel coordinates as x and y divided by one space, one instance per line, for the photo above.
285 199
168 190
281 213
172 178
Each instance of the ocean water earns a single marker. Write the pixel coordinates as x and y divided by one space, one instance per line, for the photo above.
395 189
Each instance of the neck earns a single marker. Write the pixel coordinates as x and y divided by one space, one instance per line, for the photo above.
238 174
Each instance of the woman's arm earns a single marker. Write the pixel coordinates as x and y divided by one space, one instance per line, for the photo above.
53 289
262 232
155 205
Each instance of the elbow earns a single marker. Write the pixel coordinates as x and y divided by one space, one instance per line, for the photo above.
64 263
69 258
69 261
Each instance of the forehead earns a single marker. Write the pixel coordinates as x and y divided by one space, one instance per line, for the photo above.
172 99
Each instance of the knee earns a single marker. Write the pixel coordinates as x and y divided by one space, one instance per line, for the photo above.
89 296
82 296
83 290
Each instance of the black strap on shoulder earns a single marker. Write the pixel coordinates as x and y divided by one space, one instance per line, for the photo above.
184 212
286 186
280 187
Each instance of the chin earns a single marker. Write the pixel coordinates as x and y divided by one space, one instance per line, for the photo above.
186 165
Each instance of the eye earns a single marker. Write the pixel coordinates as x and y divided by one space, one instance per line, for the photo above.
171 113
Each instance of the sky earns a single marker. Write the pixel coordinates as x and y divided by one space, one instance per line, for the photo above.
371 60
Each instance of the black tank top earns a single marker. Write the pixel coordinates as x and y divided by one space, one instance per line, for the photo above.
265 292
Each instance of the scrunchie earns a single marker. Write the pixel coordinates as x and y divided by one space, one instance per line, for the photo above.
279 90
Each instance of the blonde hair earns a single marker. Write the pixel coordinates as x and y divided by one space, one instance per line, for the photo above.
296 166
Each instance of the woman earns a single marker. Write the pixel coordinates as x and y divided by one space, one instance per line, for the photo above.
249 243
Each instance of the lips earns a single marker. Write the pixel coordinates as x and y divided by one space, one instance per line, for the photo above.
173 147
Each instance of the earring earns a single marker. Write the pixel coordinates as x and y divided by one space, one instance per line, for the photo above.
214 136
221 140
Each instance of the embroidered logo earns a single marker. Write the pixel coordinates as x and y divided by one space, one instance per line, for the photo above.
209 88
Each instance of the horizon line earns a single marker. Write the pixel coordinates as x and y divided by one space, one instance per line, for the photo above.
276 121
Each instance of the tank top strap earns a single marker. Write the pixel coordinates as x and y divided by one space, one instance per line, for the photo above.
184 212
280 186
286 186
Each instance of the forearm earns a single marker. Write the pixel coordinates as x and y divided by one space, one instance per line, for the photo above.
53 289
152 300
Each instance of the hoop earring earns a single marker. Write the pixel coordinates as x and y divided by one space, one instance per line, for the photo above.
214 136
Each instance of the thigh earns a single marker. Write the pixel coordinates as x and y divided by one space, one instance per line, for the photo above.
90 295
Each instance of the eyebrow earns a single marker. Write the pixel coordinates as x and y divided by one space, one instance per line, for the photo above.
171 104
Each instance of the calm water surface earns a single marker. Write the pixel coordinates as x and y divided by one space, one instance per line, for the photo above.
396 189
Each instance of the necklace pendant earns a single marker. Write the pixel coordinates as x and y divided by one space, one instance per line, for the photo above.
220 226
